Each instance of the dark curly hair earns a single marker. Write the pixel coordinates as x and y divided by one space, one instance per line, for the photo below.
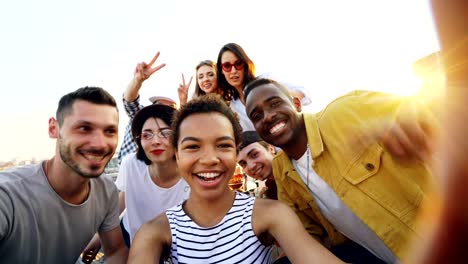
208 103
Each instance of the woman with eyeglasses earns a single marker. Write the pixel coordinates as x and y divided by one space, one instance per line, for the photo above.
149 179
236 70
207 81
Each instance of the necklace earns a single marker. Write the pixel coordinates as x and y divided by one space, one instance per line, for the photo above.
308 162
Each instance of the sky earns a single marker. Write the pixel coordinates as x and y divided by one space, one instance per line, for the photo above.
50 47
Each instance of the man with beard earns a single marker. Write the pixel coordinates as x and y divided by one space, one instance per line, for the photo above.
354 172
50 211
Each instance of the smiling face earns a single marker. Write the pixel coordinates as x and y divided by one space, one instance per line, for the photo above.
87 138
157 149
276 117
206 154
234 77
206 78
256 160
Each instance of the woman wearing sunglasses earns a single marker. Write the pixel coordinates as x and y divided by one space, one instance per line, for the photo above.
235 71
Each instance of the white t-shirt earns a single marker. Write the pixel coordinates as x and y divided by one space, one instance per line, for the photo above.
338 214
238 107
144 200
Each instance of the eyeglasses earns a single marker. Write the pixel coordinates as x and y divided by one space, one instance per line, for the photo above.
227 66
148 135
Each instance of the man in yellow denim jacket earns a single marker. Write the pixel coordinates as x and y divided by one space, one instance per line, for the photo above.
380 191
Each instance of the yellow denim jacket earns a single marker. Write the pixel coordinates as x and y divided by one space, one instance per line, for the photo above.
383 192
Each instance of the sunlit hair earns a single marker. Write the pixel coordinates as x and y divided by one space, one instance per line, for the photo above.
263 81
209 103
163 112
229 92
95 95
209 63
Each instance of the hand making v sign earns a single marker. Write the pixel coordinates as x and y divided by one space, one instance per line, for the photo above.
183 90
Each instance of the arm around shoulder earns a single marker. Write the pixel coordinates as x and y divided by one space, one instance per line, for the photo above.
151 240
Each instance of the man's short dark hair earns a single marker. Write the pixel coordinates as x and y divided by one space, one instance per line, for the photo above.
262 81
250 137
95 95
209 103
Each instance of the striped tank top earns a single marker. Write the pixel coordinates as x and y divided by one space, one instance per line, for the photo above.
230 241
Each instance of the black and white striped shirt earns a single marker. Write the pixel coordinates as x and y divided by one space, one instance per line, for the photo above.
230 241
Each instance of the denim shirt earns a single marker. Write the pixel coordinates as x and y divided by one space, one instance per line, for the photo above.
382 191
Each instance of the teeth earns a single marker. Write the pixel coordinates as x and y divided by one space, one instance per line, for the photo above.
208 175
94 157
276 127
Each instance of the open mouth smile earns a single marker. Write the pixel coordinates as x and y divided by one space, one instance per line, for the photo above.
209 176
278 127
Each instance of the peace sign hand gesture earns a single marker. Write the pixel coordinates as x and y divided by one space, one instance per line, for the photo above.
143 71
183 90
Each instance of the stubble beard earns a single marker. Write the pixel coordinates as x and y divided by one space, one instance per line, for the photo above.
67 157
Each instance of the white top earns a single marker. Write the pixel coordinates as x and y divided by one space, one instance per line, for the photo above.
238 107
338 214
144 200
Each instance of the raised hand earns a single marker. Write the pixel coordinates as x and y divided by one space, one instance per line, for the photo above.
183 90
143 70
408 140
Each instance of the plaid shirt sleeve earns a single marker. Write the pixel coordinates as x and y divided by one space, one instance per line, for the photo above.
131 108
128 145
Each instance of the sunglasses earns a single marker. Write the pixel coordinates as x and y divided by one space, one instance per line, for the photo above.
227 66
